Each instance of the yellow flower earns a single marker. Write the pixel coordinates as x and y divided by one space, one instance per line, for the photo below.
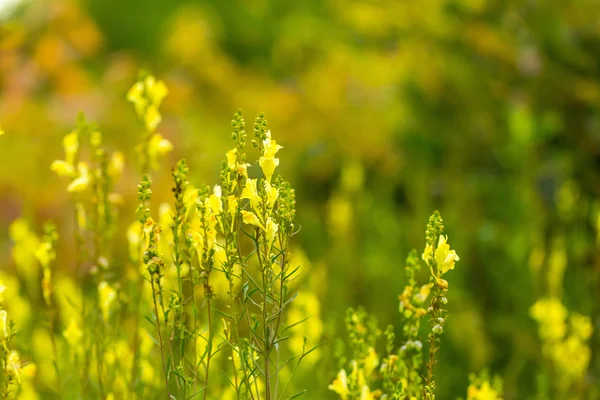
158 146
152 118
581 325
71 146
272 194
372 361
550 315
73 334
2 289
232 206
14 364
271 146
232 159
444 257
482 392
268 165
214 201
82 181
157 90
106 297
135 94
340 384
62 168
117 162
267 161
251 193
365 393
251 219
1 131
3 324
271 231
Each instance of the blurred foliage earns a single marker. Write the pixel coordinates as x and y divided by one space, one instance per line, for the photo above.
387 110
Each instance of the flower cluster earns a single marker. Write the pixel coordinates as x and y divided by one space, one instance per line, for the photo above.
401 371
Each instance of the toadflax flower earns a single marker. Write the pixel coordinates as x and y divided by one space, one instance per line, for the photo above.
251 219
444 257
340 385
267 161
251 193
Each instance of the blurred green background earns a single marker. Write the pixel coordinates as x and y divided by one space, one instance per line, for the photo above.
387 110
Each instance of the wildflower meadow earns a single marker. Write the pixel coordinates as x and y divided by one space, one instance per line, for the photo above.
268 200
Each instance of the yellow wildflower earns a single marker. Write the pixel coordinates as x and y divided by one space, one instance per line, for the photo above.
267 161
14 364
272 194
251 219
551 315
82 181
3 324
232 207
214 201
482 392
117 162
71 146
372 361
444 257
365 393
73 334
271 231
581 325
106 297
251 193
62 168
340 384
158 146
268 165
1 131
2 289
157 90
232 159
152 118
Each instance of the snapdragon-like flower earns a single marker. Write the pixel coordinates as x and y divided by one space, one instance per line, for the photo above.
214 201
272 194
271 231
251 193
146 96
82 181
340 384
232 159
267 161
251 219
444 257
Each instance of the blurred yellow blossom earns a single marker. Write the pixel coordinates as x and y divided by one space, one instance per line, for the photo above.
73 333
551 315
482 391
340 385
82 181
106 297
